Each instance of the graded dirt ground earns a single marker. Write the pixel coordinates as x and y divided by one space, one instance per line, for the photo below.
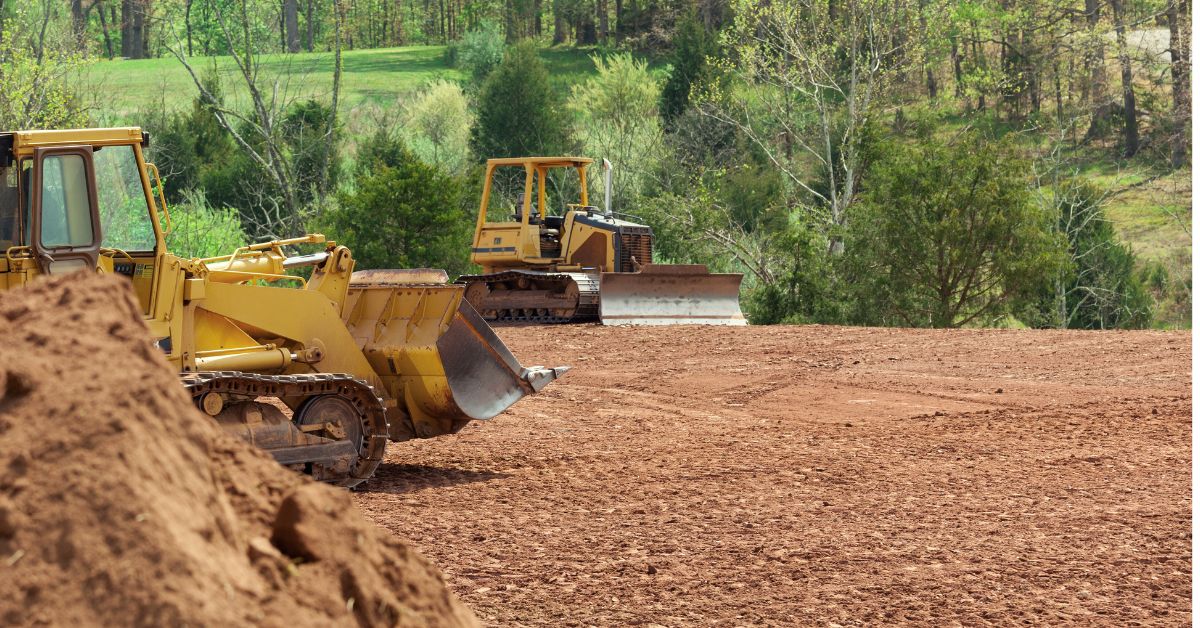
805 475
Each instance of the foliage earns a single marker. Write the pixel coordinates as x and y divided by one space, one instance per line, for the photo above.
201 230
694 46
815 77
1099 288
947 235
438 126
803 287
187 144
519 113
196 154
616 117
480 50
401 213
35 89
315 160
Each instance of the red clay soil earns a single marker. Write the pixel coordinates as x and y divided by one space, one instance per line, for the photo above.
122 505
804 475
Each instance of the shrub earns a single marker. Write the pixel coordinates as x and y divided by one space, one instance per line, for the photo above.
948 235
1099 288
438 126
401 212
201 230
616 116
694 45
479 51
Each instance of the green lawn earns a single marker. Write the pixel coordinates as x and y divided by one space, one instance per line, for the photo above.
123 89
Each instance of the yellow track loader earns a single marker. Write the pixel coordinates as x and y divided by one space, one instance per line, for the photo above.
550 257
320 371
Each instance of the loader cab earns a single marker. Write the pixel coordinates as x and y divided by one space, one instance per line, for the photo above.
78 200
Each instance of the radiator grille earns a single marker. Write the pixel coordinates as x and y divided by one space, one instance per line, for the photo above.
636 242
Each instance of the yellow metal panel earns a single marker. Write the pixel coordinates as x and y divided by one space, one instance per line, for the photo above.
213 331
302 316
193 290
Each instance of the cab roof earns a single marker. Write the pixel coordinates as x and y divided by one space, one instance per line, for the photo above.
69 137
552 162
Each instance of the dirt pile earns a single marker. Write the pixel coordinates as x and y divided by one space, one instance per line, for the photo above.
120 504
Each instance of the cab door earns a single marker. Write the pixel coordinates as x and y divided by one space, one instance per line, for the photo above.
65 223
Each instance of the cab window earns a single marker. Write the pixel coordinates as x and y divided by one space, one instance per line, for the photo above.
125 216
66 210
10 209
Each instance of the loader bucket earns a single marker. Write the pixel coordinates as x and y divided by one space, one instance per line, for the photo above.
670 294
438 359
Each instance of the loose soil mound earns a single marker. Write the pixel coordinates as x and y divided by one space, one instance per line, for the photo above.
120 504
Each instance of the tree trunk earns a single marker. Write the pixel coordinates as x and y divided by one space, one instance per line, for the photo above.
510 21
1093 60
602 18
126 27
620 8
1032 79
956 59
560 29
1130 103
1178 22
310 24
585 31
291 23
78 24
133 38
108 45
930 79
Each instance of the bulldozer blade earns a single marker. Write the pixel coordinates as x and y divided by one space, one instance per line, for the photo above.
671 294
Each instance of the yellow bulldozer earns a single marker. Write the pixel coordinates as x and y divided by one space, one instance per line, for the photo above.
550 257
319 370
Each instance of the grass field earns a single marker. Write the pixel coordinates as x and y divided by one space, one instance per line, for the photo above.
123 89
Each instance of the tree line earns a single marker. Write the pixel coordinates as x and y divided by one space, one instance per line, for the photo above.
914 162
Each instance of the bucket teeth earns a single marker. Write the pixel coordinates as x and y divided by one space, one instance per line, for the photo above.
539 376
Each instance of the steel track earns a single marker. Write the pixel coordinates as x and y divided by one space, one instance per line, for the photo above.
355 391
587 308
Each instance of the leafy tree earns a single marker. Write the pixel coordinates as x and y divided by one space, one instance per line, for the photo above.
401 213
1099 288
438 126
480 50
947 235
36 88
519 111
817 75
694 45
616 116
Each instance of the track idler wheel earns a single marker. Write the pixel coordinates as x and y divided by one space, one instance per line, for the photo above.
335 418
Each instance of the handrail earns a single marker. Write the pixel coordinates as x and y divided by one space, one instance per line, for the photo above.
162 200
311 238
9 252
252 275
